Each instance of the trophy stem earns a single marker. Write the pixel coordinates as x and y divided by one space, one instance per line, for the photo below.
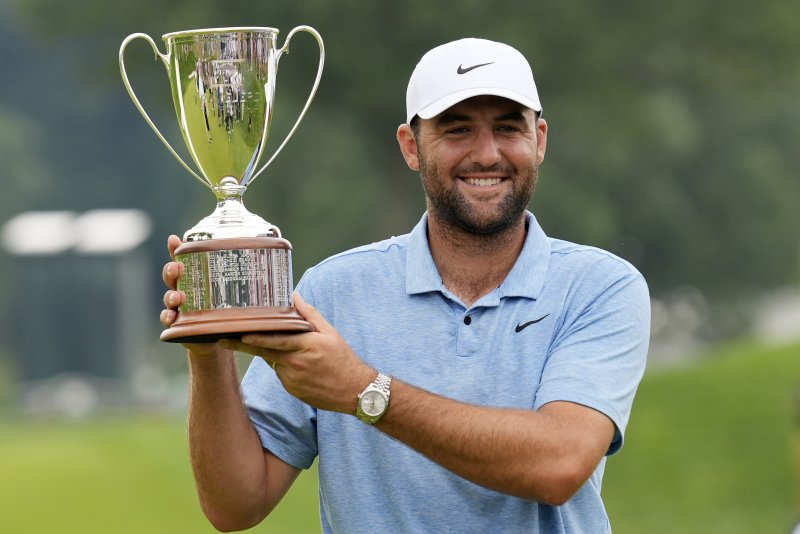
229 187
230 218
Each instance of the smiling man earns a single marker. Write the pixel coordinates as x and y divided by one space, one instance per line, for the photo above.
470 376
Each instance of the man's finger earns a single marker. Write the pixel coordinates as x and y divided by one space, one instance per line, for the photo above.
236 345
168 317
311 315
275 341
173 242
171 272
173 299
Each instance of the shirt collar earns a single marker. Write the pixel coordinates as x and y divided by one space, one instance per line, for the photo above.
422 275
526 278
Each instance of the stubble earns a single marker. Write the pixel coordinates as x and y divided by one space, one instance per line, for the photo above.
453 210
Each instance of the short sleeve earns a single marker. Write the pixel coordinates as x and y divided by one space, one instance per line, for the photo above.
598 357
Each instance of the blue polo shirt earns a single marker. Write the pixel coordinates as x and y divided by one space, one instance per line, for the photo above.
569 323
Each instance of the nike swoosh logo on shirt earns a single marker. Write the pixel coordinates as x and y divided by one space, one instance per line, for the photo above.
522 326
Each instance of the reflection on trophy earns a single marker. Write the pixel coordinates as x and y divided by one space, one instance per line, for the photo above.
238 268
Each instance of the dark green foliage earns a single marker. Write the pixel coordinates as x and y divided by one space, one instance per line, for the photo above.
673 125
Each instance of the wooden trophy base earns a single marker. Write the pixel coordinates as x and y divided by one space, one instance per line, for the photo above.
208 326
235 286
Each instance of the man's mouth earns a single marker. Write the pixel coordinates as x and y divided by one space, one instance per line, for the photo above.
481 182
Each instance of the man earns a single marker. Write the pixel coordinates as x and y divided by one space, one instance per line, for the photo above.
470 376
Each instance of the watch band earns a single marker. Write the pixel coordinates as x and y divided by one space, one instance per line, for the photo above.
383 383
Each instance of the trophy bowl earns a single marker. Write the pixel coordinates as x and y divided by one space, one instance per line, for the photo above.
237 266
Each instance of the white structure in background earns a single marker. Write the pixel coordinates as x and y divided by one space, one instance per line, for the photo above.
677 321
37 233
59 245
778 319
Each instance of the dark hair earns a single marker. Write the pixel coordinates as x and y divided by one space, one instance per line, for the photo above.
415 126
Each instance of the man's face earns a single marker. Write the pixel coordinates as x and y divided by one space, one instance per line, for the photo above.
478 161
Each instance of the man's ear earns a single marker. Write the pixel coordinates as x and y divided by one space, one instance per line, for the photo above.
408 146
541 139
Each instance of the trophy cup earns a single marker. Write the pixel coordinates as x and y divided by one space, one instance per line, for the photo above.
238 267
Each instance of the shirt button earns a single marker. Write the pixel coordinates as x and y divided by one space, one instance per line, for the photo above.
467 320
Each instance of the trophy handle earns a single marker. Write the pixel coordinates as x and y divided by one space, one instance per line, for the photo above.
281 51
165 58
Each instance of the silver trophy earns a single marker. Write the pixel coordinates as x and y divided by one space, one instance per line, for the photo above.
238 268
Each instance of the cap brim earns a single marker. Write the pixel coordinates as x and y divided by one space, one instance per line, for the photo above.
433 109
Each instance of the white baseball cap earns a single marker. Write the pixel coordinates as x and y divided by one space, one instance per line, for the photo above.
465 68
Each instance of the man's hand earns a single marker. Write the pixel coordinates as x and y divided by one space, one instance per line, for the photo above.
318 368
173 298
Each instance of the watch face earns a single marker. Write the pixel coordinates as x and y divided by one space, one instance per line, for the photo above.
373 403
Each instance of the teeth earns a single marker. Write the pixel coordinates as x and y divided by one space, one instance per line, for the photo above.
483 182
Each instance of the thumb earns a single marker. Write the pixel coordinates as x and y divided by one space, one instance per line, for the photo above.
311 315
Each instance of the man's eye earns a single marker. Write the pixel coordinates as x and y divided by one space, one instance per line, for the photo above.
458 130
507 128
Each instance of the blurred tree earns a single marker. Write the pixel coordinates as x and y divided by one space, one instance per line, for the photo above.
672 125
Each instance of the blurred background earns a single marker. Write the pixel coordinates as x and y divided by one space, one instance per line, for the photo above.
673 143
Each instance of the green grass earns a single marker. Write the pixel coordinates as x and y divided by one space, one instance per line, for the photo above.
127 475
707 451
708 448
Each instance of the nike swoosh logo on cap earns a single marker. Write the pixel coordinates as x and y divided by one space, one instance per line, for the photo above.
522 326
462 70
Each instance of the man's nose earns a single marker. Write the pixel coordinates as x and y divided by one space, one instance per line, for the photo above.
485 150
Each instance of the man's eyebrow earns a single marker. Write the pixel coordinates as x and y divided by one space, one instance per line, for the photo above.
449 118
515 116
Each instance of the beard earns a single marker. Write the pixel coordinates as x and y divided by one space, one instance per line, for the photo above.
455 211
